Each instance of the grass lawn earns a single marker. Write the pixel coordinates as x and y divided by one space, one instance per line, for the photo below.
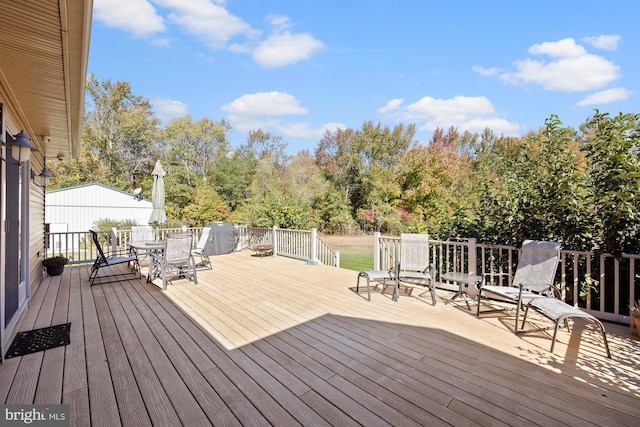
356 261
356 252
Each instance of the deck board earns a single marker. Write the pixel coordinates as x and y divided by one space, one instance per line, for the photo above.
273 341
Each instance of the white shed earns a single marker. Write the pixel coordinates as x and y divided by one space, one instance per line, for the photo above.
79 208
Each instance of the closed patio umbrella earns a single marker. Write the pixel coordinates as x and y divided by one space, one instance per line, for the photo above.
157 195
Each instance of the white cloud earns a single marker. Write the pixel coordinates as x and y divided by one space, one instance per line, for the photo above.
267 111
304 130
168 109
392 105
209 22
264 104
609 42
138 17
285 48
472 114
605 97
487 72
280 23
573 70
565 48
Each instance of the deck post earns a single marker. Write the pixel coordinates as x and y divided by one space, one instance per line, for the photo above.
313 259
376 250
473 256
114 240
472 260
275 240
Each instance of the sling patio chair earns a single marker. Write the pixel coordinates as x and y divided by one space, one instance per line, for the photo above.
413 269
176 260
534 277
108 260
140 233
201 249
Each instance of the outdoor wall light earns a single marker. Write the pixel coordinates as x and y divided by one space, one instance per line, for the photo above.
20 146
45 176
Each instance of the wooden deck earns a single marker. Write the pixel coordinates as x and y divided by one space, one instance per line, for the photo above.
273 341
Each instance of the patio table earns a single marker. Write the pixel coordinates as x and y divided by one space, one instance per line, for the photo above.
146 247
462 280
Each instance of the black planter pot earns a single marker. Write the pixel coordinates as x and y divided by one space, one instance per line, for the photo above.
55 271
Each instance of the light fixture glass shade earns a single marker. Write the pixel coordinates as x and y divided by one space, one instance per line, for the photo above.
46 176
20 147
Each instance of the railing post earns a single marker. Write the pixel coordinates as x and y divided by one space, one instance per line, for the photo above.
114 240
275 240
473 255
314 248
376 250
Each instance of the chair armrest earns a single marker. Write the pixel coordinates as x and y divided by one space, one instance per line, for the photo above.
537 287
118 253
430 270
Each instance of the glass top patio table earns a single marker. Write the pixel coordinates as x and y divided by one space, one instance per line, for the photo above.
463 280
147 247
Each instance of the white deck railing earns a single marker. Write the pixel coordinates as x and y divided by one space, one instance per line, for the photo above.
615 281
299 244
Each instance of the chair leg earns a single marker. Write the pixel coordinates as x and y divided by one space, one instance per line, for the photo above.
358 285
604 335
164 277
555 334
432 289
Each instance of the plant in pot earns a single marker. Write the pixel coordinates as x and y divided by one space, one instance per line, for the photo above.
55 265
634 313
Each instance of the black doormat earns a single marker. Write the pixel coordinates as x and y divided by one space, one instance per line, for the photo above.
39 340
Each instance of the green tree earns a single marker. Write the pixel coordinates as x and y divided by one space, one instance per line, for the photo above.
118 134
194 146
613 148
436 183
364 166
540 192
206 207
333 214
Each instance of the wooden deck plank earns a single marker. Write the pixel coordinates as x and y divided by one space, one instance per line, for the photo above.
75 383
455 364
131 406
102 399
27 374
49 387
274 341
263 402
151 353
201 392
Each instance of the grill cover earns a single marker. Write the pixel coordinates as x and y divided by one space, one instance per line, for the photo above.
223 238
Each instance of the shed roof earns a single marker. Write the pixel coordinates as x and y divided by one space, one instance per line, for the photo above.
95 186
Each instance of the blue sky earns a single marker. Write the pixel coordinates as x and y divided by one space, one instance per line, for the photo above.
298 67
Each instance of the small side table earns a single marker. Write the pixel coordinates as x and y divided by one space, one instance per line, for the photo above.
263 250
463 280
